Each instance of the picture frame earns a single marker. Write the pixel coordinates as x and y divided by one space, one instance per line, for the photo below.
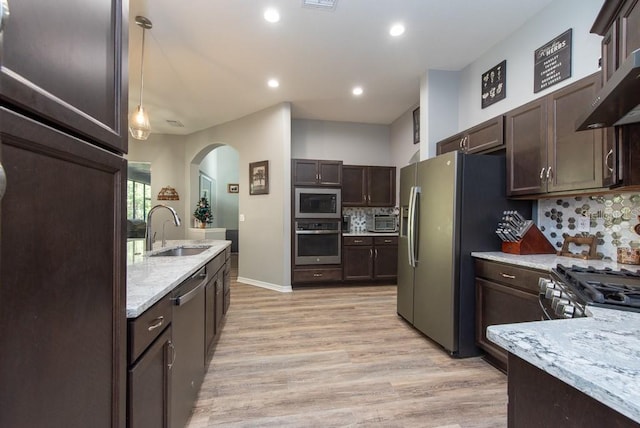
416 126
493 84
233 188
259 178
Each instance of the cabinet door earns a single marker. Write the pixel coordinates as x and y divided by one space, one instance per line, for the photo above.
574 158
498 304
357 262
354 186
629 29
210 314
64 60
330 173
305 172
381 186
527 149
386 262
486 136
450 144
609 60
149 385
63 279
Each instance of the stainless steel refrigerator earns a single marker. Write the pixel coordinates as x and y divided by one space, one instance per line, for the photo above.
449 206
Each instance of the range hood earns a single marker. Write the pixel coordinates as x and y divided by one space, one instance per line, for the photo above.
618 102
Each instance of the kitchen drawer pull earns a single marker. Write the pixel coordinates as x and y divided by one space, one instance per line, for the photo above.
357 241
606 160
549 175
317 275
3 180
388 241
157 323
506 275
542 173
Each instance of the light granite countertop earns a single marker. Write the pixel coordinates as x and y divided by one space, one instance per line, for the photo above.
598 355
549 261
151 278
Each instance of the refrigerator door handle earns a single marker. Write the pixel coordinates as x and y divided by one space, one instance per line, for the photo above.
411 247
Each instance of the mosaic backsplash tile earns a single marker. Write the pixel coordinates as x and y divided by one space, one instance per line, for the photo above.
359 216
612 219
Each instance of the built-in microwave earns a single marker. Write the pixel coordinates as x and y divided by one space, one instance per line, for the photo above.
311 202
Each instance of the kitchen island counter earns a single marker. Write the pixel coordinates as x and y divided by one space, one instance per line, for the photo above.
598 355
151 278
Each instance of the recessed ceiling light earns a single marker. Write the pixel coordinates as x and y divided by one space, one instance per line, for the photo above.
273 83
271 15
396 30
357 91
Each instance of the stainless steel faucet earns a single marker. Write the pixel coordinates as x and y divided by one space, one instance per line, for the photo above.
147 235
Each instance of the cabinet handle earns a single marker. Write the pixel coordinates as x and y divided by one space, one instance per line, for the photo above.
317 275
387 241
376 253
549 175
465 140
173 355
4 13
461 144
357 241
3 181
542 173
506 275
370 253
606 160
157 323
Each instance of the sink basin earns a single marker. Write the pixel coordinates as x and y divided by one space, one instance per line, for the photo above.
180 251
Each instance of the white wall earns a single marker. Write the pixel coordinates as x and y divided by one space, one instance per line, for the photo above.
166 155
265 235
353 143
221 164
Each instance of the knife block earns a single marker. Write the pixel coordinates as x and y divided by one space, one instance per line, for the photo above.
533 242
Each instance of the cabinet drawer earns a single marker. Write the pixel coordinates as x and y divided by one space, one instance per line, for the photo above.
143 330
317 275
519 277
358 240
385 240
214 265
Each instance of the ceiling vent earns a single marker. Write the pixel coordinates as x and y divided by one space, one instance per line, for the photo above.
320 4
175 123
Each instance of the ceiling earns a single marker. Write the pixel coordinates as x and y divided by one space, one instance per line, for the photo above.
208 61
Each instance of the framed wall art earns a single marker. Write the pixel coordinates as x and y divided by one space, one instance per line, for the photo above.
494 84
259 178
233 188
416 126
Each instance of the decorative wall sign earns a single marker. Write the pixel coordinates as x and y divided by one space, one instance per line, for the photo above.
233 188
552 62
259 178
494 84
416 126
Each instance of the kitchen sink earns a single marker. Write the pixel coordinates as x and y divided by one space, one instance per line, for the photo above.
180 251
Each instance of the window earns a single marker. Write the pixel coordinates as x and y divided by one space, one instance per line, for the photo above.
138 200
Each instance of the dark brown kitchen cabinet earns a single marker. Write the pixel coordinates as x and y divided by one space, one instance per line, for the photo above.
368 258
538 399
62 272
372 186
485 137
309 172
66 62
545 153
505 294
317 274
214 302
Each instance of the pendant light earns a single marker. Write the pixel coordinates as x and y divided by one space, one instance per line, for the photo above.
139 125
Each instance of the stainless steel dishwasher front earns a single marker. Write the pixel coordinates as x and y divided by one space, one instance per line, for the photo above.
188 338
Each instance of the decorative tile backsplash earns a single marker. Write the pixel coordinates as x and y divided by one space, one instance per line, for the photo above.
359 216
612 219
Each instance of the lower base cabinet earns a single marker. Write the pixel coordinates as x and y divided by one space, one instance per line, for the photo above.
537 399
505 294
370 258
317 274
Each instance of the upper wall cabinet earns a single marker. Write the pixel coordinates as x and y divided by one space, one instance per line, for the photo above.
368 186
81 88
485 137
309 172
545 153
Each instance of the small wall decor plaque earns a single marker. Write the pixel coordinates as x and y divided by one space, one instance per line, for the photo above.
416 126
233 188
552 62
494 84
259 178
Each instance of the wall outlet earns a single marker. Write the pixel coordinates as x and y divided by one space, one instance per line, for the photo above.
584 224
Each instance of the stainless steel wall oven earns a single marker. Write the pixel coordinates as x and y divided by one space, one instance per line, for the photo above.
318 242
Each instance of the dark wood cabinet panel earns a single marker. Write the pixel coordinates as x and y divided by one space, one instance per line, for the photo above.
609 59
538 399
574 159
63 280
373 186
317 274
450 144
66 61
385 262
526 130
485 137
370 258
310 172
149 385
629 29
357 262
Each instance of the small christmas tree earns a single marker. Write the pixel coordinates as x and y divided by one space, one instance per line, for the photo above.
203 211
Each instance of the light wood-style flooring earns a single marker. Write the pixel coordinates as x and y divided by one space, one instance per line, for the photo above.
339 357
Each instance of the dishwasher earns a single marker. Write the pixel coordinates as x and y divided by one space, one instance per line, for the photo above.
188 301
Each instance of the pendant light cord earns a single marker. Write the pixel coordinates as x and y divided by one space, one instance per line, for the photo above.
142 67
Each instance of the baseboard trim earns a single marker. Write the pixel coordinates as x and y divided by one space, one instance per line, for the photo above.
267 285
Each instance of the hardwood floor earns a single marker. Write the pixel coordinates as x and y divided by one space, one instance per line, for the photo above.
336 357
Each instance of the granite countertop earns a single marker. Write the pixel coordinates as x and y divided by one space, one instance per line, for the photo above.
370 233
598 355
549 261
151 278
